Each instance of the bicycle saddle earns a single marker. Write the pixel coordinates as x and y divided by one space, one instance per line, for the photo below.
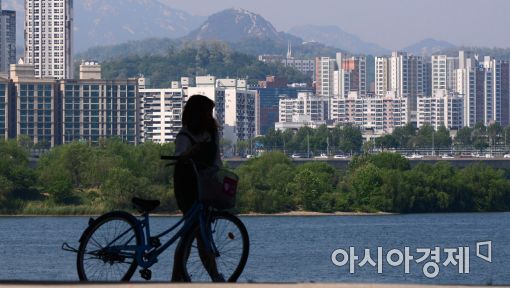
145 206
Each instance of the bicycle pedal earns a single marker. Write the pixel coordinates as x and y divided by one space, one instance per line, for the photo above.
146 274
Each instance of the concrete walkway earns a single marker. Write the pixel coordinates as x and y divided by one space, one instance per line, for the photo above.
219 285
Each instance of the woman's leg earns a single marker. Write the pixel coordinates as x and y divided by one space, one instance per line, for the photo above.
209 261
185 193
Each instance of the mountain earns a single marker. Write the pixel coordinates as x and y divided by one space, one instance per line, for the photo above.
233 25
336 37
428 47
108 22
250 33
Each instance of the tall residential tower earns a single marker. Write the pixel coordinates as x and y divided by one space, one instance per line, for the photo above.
48 37
7 39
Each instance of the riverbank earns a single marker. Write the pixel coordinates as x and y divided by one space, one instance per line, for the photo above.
243 285
281 214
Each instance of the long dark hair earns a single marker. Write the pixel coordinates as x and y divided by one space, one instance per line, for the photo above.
198 116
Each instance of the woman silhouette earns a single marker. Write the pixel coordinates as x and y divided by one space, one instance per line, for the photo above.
198 140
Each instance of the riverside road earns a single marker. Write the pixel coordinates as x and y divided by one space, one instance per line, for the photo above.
498 163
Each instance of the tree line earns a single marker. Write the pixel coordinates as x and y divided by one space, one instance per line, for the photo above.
80 179
195 59
342 138
380 182
348 139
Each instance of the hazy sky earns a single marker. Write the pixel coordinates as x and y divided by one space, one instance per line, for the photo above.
392 24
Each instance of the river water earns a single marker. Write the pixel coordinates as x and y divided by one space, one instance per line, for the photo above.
299 249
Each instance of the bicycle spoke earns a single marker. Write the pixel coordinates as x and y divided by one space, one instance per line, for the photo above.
105 255
229 241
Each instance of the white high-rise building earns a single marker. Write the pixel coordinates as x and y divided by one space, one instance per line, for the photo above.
498 94
324 76
442 109
235 108
351 75
49 37
485 85
7 39
161 114
402 75
306 107
305 110
380 113
443 72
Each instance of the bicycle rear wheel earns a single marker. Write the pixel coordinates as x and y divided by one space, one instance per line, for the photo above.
231 240
107 248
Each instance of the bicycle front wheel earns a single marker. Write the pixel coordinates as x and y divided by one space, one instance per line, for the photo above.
232 243
107 248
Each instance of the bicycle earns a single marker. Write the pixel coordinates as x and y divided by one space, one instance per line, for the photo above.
116 243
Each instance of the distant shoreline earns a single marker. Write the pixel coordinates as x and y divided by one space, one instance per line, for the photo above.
280 214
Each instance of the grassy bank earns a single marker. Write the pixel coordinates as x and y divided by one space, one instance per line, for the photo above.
78 179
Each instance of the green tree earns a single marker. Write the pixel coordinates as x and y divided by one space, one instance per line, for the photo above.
404 135
311 181
350 138
368 146
263 184
384 160
61 191
442 138
120 187
366 182
423 138
387 141
493 133
18 179
464 136
506 135
479 136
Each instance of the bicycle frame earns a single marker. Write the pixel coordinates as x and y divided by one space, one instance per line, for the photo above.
146 254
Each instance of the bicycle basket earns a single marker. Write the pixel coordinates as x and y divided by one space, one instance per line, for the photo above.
219 188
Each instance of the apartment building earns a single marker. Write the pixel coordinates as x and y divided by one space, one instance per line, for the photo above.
324 76
7 39
305 66
236 106
52 112
485 85
305 110
93 109
402 75
443 72
4 108
378 113
49 37
442 109
36 106
161 114
351 75
270 92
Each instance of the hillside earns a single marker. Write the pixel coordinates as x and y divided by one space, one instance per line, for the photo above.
500 53
243 31
232 25
428 47
194 59
108 22
336 37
